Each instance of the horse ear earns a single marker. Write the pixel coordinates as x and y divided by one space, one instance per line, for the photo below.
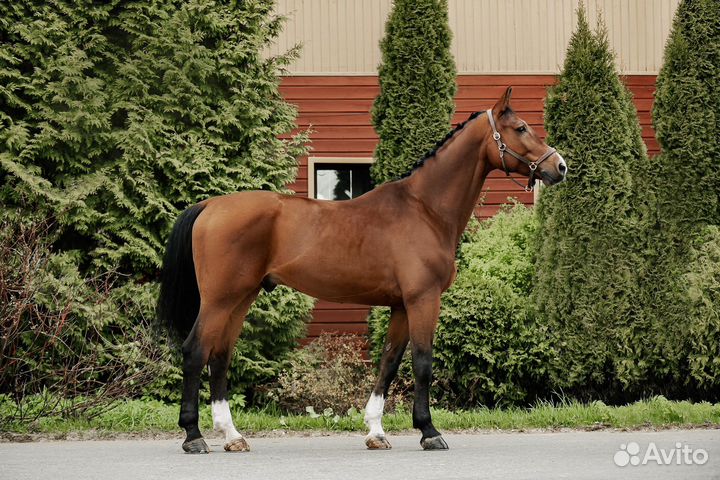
503 104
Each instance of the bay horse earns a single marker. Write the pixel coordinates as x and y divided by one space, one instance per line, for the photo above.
393 246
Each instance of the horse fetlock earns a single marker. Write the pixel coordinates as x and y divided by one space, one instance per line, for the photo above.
423 421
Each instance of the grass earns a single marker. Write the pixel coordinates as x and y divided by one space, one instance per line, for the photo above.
138 416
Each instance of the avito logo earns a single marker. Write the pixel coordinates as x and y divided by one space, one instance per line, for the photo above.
682 454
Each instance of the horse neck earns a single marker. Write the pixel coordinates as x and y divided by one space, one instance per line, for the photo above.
449 183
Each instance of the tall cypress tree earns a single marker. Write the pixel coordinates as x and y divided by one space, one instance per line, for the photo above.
686 117
116 116
417 86
588 256
682 284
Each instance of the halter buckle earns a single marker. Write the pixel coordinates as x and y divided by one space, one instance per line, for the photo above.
496 136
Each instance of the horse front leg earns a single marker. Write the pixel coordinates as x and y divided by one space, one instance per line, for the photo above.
423 314
395 343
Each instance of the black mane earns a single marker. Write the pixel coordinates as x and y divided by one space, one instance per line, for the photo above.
439 144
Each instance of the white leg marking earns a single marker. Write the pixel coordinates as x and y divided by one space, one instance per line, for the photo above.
373 415
222 420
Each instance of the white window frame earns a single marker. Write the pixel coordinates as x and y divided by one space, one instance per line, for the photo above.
313 161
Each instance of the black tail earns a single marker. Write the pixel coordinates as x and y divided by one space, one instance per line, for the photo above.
179 301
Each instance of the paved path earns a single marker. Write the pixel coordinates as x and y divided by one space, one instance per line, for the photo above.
574 455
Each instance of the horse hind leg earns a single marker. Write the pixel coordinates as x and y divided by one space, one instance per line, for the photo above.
210 343
219 364
194 359
397 339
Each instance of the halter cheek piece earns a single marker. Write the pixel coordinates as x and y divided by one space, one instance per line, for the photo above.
505 149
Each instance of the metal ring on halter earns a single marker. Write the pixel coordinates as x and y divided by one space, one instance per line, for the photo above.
496 136
529 189
502 147
532 166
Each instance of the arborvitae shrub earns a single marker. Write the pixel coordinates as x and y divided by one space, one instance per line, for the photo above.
417 86
589 249
681 281
114 117
686 118
702 326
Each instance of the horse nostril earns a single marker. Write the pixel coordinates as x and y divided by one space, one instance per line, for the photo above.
562 168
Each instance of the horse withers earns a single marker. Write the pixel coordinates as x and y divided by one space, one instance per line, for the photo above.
393 246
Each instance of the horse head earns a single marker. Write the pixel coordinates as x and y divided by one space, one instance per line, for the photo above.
517 148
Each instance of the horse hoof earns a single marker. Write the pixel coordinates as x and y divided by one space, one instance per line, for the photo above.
377 443
196 446
434 443
237 445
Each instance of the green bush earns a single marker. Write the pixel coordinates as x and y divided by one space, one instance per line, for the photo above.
686 118
702 326
488 349
417 86
67 337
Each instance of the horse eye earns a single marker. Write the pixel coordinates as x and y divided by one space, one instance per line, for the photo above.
521 129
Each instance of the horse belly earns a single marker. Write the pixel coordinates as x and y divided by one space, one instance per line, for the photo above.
339 280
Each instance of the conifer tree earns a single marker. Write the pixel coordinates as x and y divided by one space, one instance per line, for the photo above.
417 86
682 282
116 116
588 256
686 117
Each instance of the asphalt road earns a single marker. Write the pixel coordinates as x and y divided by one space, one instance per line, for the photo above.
575 455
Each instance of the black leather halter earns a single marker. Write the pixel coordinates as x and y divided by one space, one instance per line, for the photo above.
505 149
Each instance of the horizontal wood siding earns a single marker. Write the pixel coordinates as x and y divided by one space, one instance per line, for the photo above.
337 109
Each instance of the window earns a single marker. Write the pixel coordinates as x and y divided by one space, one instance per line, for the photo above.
338 178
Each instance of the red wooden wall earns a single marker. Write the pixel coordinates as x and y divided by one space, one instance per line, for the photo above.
337 108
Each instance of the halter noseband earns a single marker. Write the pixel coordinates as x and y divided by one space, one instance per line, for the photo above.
504 148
